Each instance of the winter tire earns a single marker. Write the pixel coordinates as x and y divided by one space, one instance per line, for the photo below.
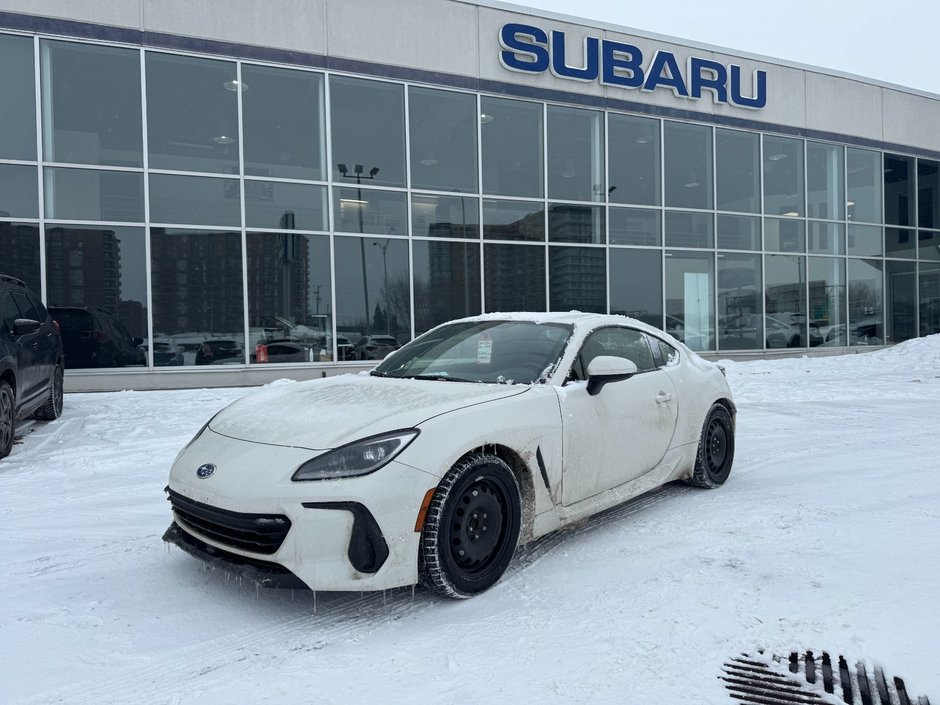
52 409
715 449
6 419
472 527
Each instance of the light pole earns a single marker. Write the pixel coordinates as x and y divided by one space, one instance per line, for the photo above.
359 176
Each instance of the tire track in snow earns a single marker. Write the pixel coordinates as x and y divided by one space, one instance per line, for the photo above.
182 674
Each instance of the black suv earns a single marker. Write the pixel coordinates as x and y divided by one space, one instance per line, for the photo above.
93 337
31 360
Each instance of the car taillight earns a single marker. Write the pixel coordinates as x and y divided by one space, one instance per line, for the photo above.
56 324
261 353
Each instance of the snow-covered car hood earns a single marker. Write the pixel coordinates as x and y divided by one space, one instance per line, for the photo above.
326 413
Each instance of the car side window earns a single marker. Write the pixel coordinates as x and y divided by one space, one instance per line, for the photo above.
668 354
37 305
619 342
27 310
10 311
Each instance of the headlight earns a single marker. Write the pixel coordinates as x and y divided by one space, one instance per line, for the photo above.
355 459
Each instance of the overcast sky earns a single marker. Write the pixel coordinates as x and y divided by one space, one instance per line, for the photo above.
893 41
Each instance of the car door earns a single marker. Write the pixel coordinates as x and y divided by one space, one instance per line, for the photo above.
27 345
622 432
48 345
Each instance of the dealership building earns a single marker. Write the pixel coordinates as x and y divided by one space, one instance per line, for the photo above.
227 193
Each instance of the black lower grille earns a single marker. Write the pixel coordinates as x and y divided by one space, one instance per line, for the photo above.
257 533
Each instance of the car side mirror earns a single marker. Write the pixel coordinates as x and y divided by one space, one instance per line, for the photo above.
138 341
608 368
25 326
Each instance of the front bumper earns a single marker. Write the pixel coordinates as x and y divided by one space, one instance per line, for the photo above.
249 518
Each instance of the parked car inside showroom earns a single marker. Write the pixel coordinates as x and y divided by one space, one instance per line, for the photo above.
477 436
32 364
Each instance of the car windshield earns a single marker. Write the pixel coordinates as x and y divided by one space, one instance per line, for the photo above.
501 352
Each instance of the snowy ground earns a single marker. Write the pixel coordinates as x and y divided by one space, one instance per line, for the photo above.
827 536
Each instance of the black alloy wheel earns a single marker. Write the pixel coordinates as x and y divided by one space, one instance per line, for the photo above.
52 408
6 419
715 449
472 527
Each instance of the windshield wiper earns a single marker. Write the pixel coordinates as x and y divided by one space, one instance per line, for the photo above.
373 373
441 377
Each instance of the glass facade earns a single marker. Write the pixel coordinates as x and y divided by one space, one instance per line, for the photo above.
177 198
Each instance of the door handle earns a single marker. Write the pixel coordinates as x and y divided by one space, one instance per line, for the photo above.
663 398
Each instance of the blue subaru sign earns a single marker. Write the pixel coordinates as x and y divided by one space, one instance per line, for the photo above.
204 471
531 50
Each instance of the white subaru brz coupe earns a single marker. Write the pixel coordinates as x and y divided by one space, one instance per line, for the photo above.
477 436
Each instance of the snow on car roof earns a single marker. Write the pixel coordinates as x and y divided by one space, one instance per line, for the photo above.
574 318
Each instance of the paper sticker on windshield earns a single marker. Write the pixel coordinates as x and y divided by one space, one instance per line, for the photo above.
484 351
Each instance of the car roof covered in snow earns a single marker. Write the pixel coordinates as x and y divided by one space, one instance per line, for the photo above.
578 319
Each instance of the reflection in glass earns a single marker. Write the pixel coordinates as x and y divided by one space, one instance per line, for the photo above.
899 190
577 279
446 282
276 204
19 243
740 319
690 310
929 298
827 299
575 154
372 294
928 194
636 284
738 232
826 238
901 243
368 126
443 127
287 143
358 210
18 88
512 147
783 176
737 156
19 192
685 229
192 118
514 277
570 223
784 235
635 226
96 284
86 194
194 200
91 104
825 181
290 310
688 165
865 240
445 216
513 220
634 167
928 246
863 180
196 277
900 301
785 296
866 316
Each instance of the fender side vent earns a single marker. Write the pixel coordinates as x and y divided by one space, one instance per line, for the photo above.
811 679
